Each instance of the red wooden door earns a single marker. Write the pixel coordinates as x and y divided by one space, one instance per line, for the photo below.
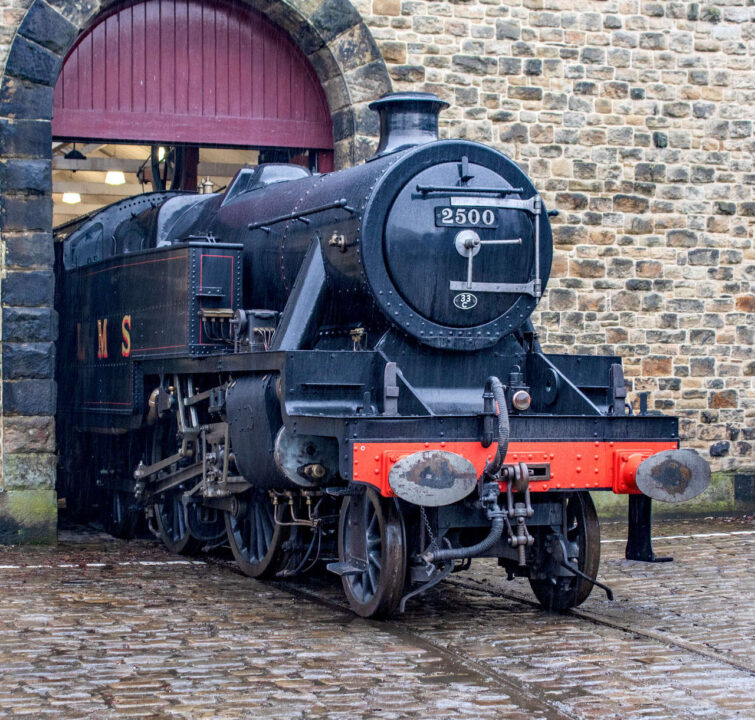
191 71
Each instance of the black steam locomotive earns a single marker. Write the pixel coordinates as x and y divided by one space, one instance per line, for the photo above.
341 368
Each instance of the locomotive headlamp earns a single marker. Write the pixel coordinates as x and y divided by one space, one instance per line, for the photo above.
521 400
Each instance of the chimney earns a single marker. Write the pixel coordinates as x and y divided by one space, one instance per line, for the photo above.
406 119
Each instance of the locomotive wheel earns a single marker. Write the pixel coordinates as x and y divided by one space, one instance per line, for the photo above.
254 537
173 526
371 532
169 511
121 520
582 528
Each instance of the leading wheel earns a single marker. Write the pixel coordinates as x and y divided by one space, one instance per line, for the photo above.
371 534
253 535
582 533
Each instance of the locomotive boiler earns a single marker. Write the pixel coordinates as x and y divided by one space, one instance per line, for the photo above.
341 370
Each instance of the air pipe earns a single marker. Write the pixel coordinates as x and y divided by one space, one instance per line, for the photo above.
495 386
496 530
496 514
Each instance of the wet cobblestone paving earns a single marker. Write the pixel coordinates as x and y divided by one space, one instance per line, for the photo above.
97 628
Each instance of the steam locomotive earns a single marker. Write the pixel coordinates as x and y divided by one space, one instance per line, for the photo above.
340 370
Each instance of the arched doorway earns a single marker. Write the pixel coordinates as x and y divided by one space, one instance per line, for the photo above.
347 62
190 79
191 71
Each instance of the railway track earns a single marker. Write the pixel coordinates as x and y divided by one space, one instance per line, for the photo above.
542 684
527 697
473 648
658 636
663 637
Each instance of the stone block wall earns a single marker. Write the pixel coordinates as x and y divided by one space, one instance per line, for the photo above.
635 120
28 323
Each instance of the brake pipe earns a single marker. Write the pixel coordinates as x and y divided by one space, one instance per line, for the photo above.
494 387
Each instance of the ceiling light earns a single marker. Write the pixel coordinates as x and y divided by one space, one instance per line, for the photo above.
71 198
74 154
115 177
161 154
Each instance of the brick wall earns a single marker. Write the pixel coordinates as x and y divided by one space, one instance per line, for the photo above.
635 120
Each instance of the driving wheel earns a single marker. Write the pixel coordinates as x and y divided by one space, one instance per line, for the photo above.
253 534
169 511
121 517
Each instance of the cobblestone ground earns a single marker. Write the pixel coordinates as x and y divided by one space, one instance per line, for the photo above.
98 628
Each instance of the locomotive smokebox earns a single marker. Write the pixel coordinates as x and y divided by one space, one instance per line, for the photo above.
407 119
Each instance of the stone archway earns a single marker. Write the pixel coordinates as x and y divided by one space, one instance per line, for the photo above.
348 63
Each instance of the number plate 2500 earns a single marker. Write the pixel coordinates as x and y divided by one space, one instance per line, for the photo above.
466 217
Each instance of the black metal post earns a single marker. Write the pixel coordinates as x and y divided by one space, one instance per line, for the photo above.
639 531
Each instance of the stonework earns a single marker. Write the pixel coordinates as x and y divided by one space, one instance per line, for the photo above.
634 119
103 629
34 38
